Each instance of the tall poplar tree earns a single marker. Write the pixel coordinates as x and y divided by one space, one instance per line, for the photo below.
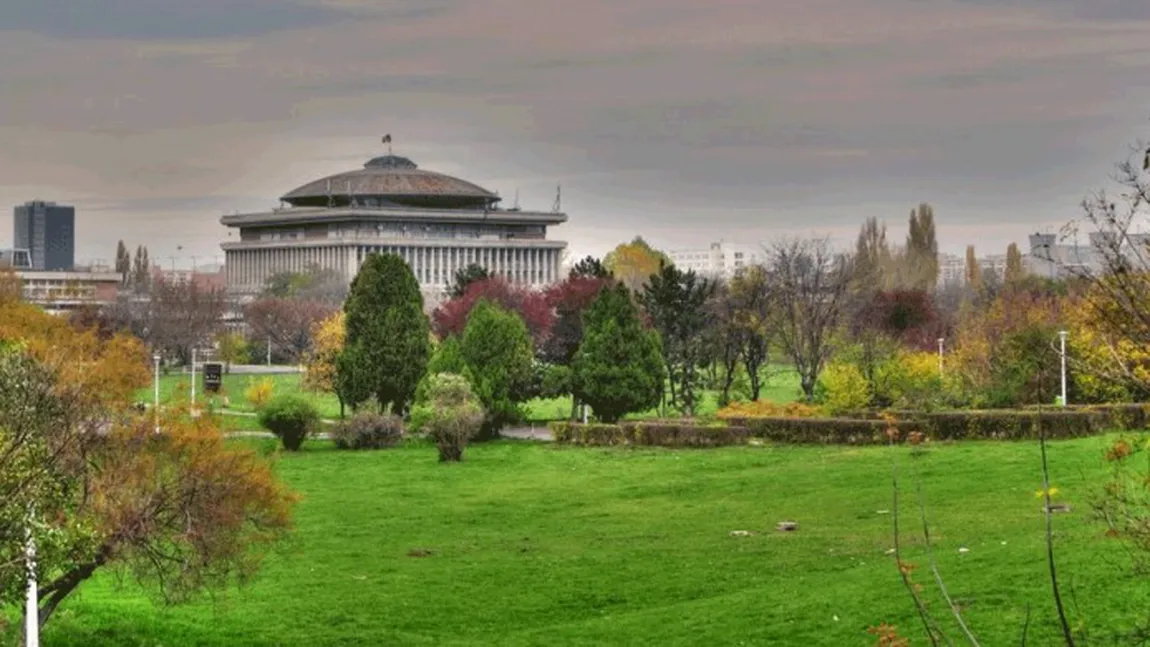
922 249
973 269
388 336
1013 264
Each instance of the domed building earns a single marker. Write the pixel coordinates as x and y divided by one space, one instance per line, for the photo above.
437 223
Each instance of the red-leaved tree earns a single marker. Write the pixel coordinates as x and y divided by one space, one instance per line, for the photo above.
569 299
451 317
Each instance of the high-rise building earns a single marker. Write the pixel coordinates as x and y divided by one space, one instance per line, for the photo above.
48 231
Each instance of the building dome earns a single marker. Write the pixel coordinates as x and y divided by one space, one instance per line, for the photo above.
391 181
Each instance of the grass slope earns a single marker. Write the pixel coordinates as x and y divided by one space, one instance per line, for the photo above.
533 544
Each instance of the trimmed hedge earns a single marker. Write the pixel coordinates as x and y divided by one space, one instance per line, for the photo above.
1012 424
938 426
825 431
649 434
1127 416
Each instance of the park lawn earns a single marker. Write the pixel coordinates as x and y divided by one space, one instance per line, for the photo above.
535 544
781 386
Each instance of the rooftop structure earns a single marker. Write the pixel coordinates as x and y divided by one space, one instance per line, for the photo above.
437 223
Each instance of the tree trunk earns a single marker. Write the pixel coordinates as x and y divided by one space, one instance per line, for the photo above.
65 584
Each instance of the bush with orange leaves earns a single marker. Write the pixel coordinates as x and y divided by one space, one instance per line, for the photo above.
765 409
99 489
1124 504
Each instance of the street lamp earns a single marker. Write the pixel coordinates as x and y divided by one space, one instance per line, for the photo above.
32 597
1062 338
156 400
941 341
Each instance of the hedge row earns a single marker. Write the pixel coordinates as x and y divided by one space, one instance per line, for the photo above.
672 433
956 425
1127 416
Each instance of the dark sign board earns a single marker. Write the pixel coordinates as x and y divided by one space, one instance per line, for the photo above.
213 377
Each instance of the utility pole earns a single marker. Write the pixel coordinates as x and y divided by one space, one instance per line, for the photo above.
941 342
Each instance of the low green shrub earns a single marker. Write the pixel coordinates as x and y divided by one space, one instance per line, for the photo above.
1012 424
291 418
1127 416
368 430
657 433
824 431
451 416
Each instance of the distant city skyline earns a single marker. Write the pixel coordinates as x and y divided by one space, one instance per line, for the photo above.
679 122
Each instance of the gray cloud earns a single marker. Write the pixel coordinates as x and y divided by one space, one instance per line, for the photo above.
678 120
161 19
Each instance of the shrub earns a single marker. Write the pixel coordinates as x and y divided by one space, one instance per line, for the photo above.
368 430
451 416
845 388
911 381
260 393
825 431
1012 424
765 408
656 433
290 418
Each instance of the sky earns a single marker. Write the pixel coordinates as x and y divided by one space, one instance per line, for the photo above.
682 121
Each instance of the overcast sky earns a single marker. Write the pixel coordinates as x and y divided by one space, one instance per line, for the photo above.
685 121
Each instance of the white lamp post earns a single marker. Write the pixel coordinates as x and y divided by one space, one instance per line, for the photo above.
193 378
156 399
941 341
1062 338
32 601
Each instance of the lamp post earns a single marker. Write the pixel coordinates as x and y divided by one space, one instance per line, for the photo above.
941 341
1062 338
156 400
193 378
32 601
269 350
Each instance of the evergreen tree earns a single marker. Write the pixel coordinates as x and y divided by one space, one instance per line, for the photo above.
388 341
1014 271
619 366
922 249
676 302
465 276
589 267
497 351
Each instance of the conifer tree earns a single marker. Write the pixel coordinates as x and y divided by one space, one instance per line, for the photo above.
388 340
496 349
619 366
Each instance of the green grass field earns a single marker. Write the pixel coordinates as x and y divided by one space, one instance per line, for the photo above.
781 386
534 544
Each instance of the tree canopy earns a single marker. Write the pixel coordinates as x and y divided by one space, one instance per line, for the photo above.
388 341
